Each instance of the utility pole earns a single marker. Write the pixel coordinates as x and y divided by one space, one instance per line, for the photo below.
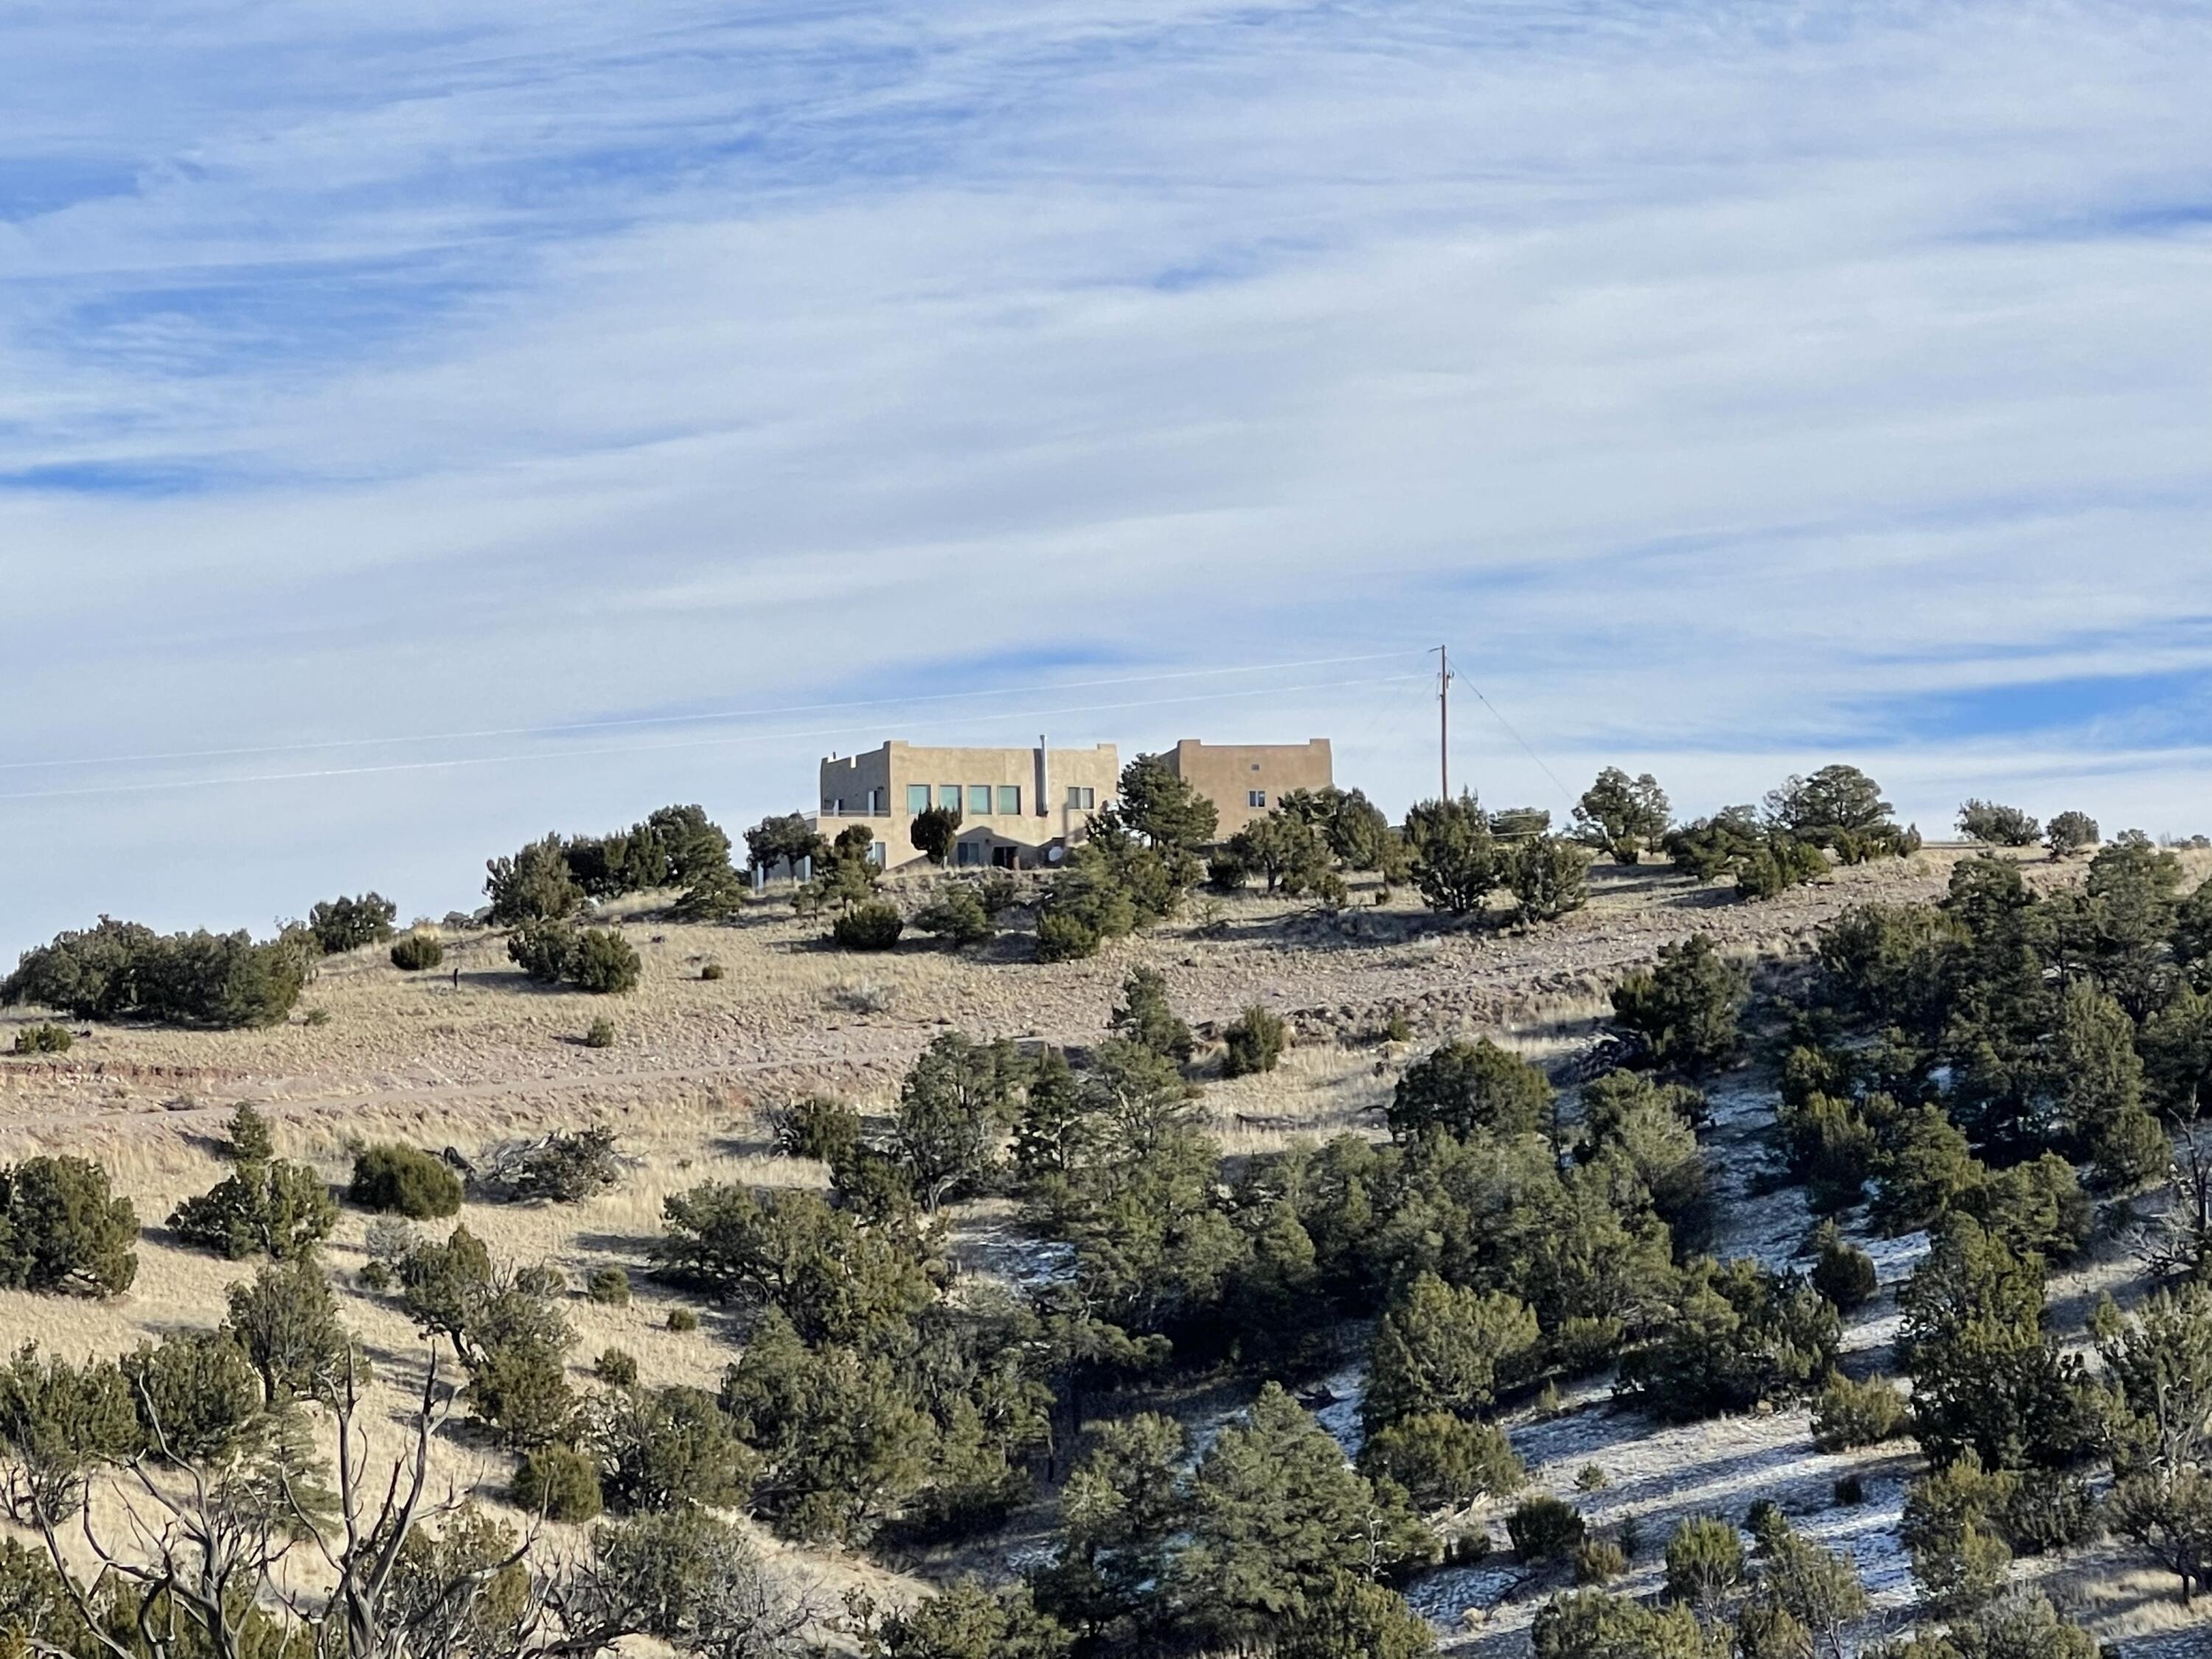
1443 721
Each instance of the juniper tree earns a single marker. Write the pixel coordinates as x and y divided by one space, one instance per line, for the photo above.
1803 1598
1284 850
534 885
1548 877
1704 1563
1456 862
837 1277
957 916
1120 1512
1275 1514
1144 1016
1951 1528
1595 1624
1986 1377
1706 848
1627 817
285 1321
1836 800
1442 1460
1163 808
966 1620
2001 826
933 830
1053 1134
1688 1008
2070 833
62 1231
954 1108
1460 1087
1744 1338
347 924
668 1448
1440 1348
267 1205
785 839
2097 1078
1357 833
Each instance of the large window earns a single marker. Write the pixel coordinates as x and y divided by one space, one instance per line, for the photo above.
979 801
1081 798
1010 799
948 796
917 797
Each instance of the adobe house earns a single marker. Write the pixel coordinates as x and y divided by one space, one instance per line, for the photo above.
1016 805
1021 808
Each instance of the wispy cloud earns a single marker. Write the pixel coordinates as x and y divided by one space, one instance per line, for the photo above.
1726 382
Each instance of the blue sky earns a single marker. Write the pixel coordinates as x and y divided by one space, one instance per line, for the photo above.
1735 387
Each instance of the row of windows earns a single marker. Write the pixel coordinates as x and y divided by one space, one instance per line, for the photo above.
979 799
975 800
984 800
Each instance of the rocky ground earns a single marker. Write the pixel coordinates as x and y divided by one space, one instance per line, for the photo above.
471 1059
791 1011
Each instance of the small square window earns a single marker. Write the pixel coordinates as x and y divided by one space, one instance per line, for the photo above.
1255 766
979 801
948 797
917 797
1080 797
1010 799
1255 798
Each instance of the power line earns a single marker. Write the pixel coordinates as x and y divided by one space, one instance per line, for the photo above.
455 763
1394 709
244 751
1566 795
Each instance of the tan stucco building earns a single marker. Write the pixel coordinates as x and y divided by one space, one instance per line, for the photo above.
1245 780
1019 807
1016 804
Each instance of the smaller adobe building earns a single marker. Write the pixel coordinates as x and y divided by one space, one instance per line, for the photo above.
1245 781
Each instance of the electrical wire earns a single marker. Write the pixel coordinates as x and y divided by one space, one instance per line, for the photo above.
1566 795
455 763
633 721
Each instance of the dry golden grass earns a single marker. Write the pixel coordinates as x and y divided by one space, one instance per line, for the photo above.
790 1012
154 1162
415 1058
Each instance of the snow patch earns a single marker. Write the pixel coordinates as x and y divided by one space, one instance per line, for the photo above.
1866 1535
1444 1597
1576 1435
1768 1226
1336 1405
1894 1258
